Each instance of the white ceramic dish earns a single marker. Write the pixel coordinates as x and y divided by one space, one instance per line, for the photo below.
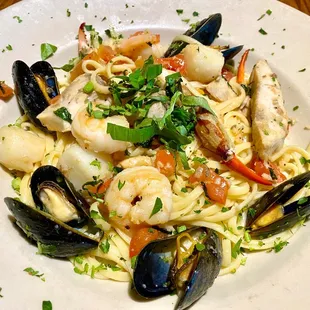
277 281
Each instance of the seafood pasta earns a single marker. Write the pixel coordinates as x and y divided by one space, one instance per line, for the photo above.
164 167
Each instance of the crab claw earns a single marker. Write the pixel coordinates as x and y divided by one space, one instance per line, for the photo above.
215 138
236 165
84 48
269 215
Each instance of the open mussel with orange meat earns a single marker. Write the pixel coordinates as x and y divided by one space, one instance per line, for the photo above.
35 87
59 219
271 214
187 262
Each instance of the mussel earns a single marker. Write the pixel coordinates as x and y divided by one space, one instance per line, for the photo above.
205 32
34 87
56 221
269 215
187 262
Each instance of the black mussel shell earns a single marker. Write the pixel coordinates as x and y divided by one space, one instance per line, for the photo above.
154 274
28 93
204 31
54 238
46 72
50 174
232 52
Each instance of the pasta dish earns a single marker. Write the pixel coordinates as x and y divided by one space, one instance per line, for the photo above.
160 166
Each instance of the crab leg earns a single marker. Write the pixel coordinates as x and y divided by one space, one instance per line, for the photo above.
215 138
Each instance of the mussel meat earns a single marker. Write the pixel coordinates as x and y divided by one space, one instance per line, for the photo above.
56 221
205 32
269 215
34 87
187 262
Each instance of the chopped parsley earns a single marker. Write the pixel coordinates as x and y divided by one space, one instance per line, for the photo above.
302 200
133 261
200 247
18 19
47 50
126 6
186 20
105 246
184 190
16 184
302 70
111 33
88 88
64 114
235 251
269 12
1 296
247 237
120 185
261 17
296 108
96 163
47 305
195 13
181 228
179 11
84 271
278 246
35 273
70 65
200 160
304 161
262 31
86 5
266 133
9 47
197 211
252 212
224 209
95 215
283 47
157 206
112 213
261 243
68 13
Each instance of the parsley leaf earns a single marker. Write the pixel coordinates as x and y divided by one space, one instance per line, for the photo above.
68 13
302 200
18 19
262 31
47 305
304 161
269 12
181 228
200 160
280 245
200 247
47 50
120 185
157 206
64 114
302 70
34 273
195 13
96 163
16 184
9 47
235 251
105 247
1 296
296 108
179 11
133 261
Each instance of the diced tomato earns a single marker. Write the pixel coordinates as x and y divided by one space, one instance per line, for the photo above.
165 162
266 168
77 70
228 75
216 186
141 237
101 188
106 53
175 63
6 91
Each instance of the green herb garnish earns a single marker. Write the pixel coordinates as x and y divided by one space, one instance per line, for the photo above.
16 184
47 50
18 19
47 305
64 114
120 185
262 31
179 11
157 206
68 13
105 246
279 246
96 163
235 251
200 247
35 273
181 228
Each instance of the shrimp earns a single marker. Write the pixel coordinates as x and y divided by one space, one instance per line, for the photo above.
203 64
136 162
137 42
135 192
91 133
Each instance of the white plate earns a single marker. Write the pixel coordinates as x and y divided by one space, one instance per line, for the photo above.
277 281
